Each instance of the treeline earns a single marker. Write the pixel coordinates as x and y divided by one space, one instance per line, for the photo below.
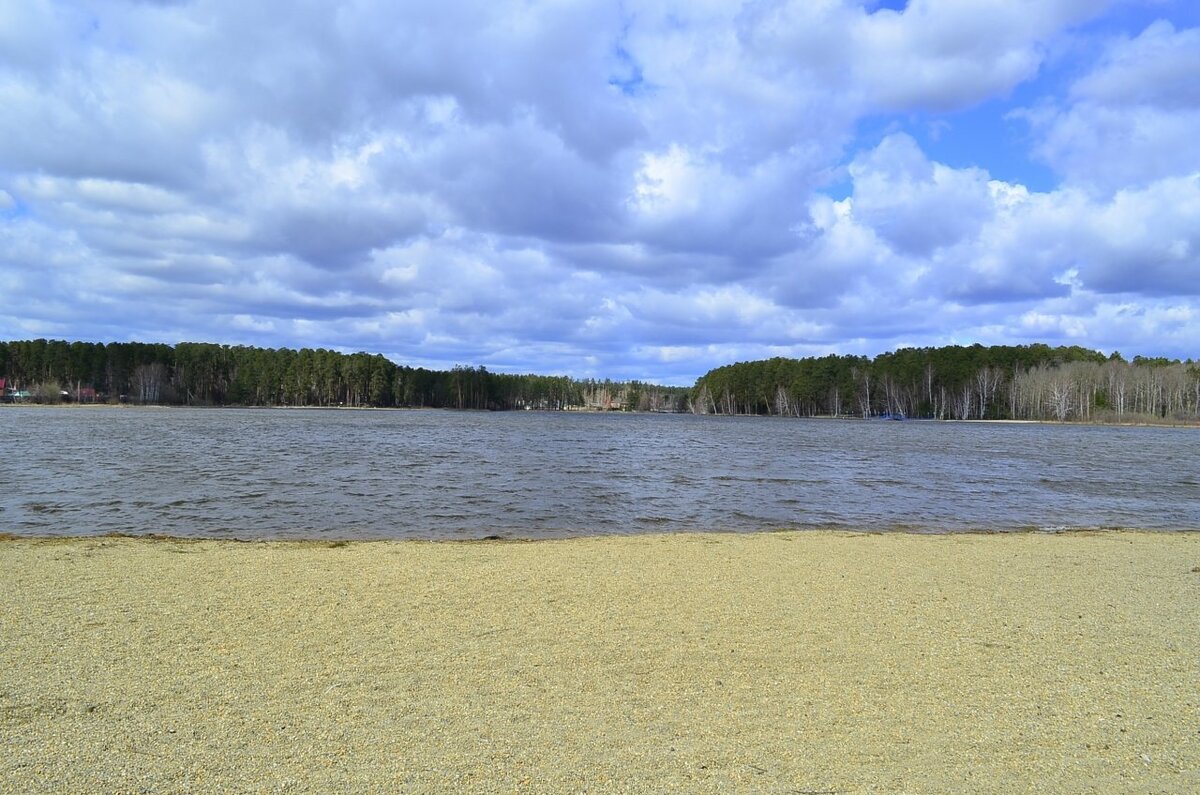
213 375
1034 382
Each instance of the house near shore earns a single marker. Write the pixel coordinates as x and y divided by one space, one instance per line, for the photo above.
10 395
82 394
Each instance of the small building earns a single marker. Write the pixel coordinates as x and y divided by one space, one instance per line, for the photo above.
10 395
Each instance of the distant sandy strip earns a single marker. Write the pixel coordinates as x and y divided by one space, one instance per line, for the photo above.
781 662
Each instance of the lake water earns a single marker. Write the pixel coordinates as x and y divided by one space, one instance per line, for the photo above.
290 473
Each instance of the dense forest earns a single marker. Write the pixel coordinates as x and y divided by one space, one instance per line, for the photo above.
202 374
1032 382
1000 382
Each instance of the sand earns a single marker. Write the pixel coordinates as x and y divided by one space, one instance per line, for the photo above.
782 662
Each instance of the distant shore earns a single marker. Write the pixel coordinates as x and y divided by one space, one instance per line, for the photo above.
1140 423
777 662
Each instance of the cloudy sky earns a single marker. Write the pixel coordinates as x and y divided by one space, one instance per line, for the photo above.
615 189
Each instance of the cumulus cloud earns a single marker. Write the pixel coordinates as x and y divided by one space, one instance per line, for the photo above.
934 54
918 246
1132 120
628 190
905 197
946 54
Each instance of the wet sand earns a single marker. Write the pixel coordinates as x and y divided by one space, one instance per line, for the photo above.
782 662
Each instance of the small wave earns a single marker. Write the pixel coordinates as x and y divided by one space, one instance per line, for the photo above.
191 502
778 481
42 507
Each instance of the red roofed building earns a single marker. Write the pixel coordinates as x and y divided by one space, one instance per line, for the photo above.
1 389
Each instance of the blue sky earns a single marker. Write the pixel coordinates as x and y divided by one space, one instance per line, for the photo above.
635 190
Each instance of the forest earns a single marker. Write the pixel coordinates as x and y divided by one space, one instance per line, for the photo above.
205 374
1027 382
1022 382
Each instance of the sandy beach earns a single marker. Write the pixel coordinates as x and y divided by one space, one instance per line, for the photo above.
783 662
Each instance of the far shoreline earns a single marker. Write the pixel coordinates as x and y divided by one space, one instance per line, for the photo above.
1141 423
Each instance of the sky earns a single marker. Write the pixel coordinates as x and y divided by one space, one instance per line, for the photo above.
627 190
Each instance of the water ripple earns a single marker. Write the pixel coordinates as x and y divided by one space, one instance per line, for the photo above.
430 474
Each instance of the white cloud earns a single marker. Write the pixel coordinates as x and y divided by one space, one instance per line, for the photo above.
616 189
944 55
1132 120
1158 67
981 240
250 323
906 198
935 54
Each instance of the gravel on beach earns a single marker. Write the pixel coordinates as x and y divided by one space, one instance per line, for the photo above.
797 662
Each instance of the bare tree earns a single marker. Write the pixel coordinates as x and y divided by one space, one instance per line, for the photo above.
1061 394
147 382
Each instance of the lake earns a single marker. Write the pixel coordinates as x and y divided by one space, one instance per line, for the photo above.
343 474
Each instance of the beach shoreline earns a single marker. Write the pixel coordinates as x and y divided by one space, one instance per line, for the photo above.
790 661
